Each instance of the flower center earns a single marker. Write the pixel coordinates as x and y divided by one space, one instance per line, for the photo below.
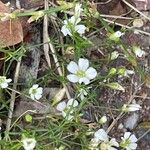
125 143
81 73
34 91
2 79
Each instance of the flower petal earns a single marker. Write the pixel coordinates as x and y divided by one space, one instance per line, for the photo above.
101 135
84 80
80 29
91 73
72 78
127 135
133 146
72 67
38 96
61 106
32 97
72 103
35 86
65 31
83 64
133 138
114 142
8 80
4 85
40 90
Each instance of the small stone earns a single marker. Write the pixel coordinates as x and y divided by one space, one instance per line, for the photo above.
138 23
131 121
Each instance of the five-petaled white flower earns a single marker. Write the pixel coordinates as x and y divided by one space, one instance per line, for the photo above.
71 25
114 55
81 72
101 137
67 109
35 92
130 107
129 141
28 143
115 36
4 82
138 52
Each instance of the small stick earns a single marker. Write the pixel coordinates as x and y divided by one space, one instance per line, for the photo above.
135 9
13 96
45 36
58 67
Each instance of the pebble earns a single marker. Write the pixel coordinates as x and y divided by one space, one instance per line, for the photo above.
131 121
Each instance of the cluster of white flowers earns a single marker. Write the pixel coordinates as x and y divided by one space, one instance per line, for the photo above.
102 141
35 91
28 143
67 109
71 25
101 138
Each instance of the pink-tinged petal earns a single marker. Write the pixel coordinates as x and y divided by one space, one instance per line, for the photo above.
91 73
4 85
80 29
72 78
83 64
38 96
61 106
72 67
84 80
127 135
133 146
133 138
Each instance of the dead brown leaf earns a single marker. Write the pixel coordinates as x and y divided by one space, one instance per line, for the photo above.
11 32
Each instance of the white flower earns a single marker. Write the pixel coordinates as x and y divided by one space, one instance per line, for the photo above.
81 72
114 55
130 107
103 120
138 52
4 82
78 10
101 137
118 34
67 109
71 25
35 92
115 36
28 143
109 145
129 141
128 72
83 92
